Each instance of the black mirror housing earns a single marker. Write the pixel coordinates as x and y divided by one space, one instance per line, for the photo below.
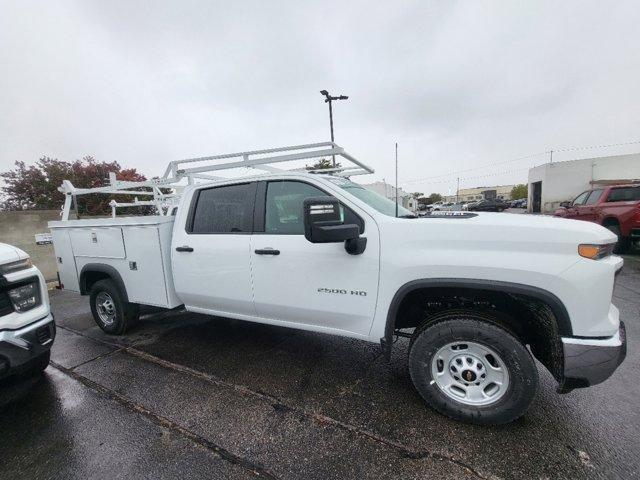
322 223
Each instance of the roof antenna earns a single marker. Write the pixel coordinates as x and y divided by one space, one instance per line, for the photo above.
396 179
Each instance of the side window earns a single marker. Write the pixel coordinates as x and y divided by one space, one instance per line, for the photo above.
227 209
580 198
284 207
625 194
594 196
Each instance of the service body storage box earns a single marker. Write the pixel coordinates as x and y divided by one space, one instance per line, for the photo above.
138 248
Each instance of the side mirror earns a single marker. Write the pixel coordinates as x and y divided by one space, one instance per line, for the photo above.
566 204
322 224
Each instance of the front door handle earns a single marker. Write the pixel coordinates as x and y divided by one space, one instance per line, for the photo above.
267 251
184 248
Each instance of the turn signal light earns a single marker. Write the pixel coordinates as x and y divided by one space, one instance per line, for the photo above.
595 252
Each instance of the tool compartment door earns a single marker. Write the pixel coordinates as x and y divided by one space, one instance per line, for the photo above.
97 242
144 274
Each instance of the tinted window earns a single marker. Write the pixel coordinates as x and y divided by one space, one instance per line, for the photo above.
580 198
594 196
625 194
284 207
227 209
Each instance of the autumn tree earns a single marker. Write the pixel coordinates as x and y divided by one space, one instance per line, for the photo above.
519 191
36 186
323 164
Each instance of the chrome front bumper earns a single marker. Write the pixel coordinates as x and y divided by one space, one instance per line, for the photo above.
19 347
589 361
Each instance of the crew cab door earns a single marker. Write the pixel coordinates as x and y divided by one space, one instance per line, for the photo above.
314 284
588 210
210 250
572 211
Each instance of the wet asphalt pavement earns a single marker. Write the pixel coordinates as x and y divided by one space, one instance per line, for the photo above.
189 396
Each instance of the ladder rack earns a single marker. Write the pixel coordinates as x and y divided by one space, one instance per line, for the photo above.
194 169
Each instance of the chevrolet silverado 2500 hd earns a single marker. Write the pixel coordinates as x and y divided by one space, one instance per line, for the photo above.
27 329
478 294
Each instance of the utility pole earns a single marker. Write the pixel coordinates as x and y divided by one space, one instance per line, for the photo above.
458 192
396 179
550 156
329 99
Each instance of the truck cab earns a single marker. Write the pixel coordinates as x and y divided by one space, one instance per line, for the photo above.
27 329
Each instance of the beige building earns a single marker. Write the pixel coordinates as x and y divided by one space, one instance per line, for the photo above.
480 193
383 188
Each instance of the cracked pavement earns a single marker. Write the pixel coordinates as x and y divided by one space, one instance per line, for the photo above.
189 396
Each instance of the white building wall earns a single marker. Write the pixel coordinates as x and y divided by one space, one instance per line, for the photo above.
563 181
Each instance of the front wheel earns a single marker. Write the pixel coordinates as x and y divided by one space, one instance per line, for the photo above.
472 370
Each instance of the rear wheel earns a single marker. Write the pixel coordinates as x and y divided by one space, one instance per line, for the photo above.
472 370
112 314
622 245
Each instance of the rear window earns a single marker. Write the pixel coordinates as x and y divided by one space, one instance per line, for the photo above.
227 209
624 194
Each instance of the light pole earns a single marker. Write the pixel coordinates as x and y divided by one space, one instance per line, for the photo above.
328 99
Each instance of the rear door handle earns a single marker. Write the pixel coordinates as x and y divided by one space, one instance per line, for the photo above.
184 248
267 251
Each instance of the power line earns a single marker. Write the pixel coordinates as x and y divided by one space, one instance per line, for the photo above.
455 172
512 160
569 149
505 172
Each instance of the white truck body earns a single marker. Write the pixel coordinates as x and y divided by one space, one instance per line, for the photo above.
269 271
137 247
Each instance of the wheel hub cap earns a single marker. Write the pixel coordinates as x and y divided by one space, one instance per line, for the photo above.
106 308
470 373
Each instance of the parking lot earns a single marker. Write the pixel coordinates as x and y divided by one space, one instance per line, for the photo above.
190 396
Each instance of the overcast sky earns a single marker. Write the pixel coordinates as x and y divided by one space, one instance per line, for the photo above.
457 84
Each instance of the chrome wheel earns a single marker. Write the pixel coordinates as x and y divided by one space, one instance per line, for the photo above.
106 308
470 373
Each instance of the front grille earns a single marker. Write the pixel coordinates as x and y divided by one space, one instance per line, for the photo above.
43 334
6 307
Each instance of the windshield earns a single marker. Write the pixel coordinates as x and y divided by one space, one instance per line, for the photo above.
371 198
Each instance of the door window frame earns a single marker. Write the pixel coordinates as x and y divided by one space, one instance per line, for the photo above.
194 202
260 206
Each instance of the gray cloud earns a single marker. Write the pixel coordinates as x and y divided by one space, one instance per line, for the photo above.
457 84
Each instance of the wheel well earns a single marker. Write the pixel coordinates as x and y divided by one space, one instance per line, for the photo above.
91 277
92 273
531 319
610 221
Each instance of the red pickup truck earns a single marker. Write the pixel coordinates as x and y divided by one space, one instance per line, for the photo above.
615 207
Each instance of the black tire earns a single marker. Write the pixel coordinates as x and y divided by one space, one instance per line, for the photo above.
38 364
473 327
124 314
622 245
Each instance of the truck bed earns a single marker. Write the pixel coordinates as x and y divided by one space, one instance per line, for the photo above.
138 248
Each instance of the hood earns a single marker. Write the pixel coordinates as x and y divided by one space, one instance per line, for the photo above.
502 231
9 253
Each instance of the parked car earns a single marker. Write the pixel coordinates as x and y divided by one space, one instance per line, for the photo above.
614 207
319 252
488 206
27 329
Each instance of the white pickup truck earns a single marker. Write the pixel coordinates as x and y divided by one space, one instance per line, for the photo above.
27 329
478 294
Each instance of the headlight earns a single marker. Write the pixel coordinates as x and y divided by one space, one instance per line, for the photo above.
595 252
25 297
15 266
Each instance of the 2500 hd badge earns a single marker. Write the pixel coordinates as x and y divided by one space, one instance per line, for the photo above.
342 291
